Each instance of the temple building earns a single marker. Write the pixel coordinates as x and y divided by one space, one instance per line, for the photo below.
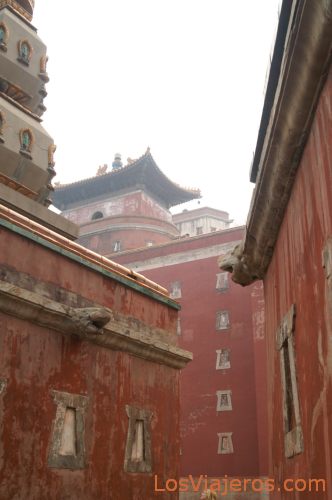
124 214
89 355
125 208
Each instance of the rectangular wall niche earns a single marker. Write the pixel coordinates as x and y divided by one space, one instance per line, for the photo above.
178 326
222 282
224 400
175 290
223 361
138 448
222 320
291 408
225 443
3 385
67 449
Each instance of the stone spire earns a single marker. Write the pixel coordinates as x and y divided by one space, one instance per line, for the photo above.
26 149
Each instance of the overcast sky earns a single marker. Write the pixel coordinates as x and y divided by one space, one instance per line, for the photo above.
184 77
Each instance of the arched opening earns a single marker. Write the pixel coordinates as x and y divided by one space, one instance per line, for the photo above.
97 215
26 140
24 51
3 34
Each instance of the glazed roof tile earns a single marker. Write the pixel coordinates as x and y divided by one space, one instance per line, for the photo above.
141 172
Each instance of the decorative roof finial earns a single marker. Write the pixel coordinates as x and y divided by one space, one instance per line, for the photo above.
117 163
102 169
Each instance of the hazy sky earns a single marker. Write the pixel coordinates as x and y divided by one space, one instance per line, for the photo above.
185 77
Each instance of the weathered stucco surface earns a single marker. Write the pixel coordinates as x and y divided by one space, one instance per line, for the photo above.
39 363
192 263
299 274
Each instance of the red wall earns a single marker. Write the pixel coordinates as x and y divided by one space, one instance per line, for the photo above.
296 276
131 237
35 360
200 422
132 203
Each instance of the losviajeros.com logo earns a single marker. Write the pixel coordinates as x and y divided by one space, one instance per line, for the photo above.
227 485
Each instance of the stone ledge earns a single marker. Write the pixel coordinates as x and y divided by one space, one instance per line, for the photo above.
120 333
37 212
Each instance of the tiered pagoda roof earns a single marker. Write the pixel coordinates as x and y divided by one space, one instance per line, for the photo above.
140 173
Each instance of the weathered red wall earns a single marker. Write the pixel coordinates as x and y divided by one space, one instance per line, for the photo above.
132 203
296 276
36 360
134 219
200 422
132 237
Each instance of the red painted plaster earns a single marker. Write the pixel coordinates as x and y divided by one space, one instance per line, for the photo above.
200 422
35 360
296 276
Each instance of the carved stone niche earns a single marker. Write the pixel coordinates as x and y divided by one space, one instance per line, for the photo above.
138 448
293 436
3 385
67 449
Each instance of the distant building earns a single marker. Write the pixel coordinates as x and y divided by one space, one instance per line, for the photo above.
223 391
201 220
125 208
223 394
288 244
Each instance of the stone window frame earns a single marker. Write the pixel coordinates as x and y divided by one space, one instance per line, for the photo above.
178 326
175 290
221 396
219 314
199 230
293 435
135 414
219 365
222 281
3 385
117 246
230 448
64 401
20 58
3 44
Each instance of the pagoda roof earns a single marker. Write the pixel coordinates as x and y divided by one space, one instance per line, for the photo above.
139 173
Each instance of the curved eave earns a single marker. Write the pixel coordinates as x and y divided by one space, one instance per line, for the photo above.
305 67
143 172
